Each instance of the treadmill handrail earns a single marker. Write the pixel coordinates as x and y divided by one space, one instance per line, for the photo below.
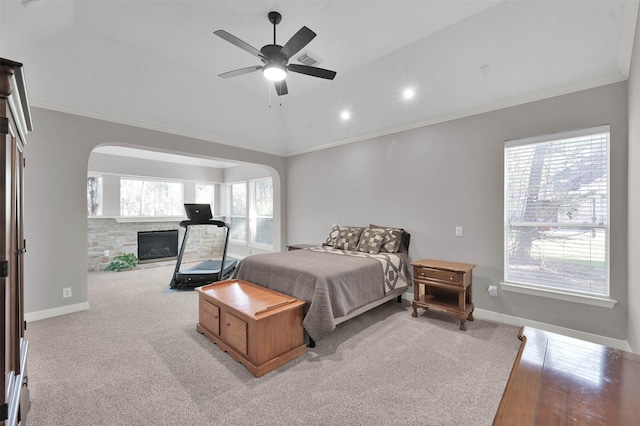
218 223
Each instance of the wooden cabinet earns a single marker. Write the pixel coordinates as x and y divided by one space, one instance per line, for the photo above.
445 286
258 327
15 123
560 380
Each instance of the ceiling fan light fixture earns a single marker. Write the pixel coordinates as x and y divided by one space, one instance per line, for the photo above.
274 72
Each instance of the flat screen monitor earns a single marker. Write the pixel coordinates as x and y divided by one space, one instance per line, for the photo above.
198 212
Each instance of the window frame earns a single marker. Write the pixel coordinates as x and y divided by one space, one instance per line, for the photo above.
99 195
230 215
250 213
253 215
545 290
179 212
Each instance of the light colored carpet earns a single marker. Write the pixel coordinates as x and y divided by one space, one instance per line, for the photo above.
135 358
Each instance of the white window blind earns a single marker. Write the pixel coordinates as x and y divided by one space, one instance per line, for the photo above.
557 212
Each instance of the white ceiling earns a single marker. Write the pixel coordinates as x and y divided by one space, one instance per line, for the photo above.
154 63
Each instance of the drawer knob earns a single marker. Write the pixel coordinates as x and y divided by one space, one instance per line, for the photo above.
422 273
451 277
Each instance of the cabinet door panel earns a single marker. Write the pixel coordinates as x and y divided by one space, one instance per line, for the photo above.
210 316
236 331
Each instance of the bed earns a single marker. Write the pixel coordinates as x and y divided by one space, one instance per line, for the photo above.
354 270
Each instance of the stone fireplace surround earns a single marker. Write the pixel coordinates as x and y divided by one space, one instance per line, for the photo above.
121 236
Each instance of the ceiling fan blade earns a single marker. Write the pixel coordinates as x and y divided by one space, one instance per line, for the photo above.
281 87
297 42
237 42
312 71
240 71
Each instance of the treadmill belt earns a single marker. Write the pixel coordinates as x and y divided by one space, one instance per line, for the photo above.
209 267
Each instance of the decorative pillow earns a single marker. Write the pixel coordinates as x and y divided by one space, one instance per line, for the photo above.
348 238
331 239
392 238
371 240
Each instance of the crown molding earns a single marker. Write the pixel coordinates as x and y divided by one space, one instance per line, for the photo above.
560 90
145 125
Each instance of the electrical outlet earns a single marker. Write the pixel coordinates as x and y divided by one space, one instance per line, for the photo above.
66 292
493 290
458 231
106 252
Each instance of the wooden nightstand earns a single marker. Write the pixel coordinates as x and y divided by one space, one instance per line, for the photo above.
445 286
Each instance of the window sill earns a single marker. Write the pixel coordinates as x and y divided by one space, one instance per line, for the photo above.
131 219
242 243
554 294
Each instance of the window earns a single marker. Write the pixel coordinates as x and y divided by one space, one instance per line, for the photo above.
557 212
94 195
261 211
251 211
140 197
205 193
238 211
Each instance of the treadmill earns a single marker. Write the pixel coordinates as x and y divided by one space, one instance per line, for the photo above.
208 271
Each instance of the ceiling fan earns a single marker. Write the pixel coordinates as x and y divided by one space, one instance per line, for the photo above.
275 58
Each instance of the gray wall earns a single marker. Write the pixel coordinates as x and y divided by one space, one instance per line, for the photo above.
432 179
57 156
634 196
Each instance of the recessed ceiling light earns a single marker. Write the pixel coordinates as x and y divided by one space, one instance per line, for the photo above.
408 93
345 115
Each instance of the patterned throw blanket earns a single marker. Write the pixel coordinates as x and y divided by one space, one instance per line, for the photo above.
395 268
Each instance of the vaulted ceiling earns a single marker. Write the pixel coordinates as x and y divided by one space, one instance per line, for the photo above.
154 63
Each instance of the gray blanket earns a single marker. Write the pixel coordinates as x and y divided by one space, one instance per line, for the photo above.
334 285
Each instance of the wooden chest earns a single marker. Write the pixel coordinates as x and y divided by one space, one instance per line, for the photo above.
258 327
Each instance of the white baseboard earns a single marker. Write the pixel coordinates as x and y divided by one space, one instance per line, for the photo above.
511 320
54 312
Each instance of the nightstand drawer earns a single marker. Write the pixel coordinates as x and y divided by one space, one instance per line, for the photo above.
438 275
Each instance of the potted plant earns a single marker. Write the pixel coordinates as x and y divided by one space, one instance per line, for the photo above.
123 261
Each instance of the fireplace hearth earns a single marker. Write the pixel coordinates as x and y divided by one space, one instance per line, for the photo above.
157 246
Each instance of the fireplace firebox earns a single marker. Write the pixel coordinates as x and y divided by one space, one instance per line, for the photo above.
156 246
